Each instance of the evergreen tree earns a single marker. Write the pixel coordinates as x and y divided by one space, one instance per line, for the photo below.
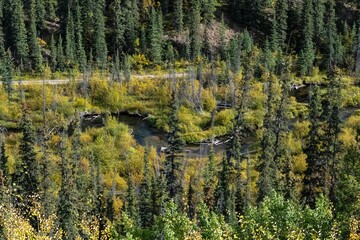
268 58
280 19
223 189
131 206
80 50
319 13
222 31
47 185
267 167
195 37
119 26
178 15
60 55
99 38
247 198
53 51
156 36
357 52
116 67
282 156
174 150
170 56
127 68
98 208
191 199
40 12
210 180
70 40
274 35
2 39
159 194
331 35
131 17
307 54
78 172
7 74
18 30
332 130
4 173
314 181
164 6
145 194
50 9
34 46
27 175
209 7
67 211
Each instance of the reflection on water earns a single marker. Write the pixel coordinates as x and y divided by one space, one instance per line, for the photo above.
143 132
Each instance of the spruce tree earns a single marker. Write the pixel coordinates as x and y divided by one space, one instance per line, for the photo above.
210 180
331 36
67 211
53 52
127 68
191 199
26 177
99 38
332 130
97 208
282 157
247 198
307 54
319 13
156 36
170 58
131 205
314 180
78 28
195 37
145 194
267 167
281 26
119 26
116 67
357 52
18 30
78 172
7 74
223 189
209 7
34 46
159 194
47 185
3 163
174 150
2 39
178 15
60 55
131 18
27 170
40 12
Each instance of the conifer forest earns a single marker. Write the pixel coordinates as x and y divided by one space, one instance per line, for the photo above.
179 119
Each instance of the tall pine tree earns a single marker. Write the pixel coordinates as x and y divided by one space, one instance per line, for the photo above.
145 193
314 180
174 150
67 211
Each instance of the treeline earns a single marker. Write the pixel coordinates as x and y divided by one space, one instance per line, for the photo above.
66 35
